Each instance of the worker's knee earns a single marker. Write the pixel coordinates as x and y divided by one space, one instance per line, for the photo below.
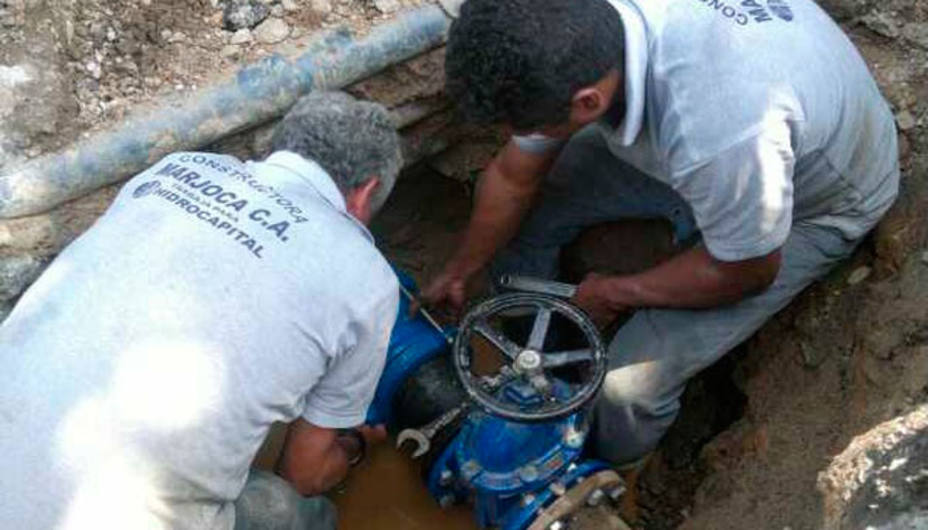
632 414
642 389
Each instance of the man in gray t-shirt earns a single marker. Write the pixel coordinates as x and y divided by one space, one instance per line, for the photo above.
754 126
143 370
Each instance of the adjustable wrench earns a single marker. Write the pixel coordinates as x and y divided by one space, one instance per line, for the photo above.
422 437
536 285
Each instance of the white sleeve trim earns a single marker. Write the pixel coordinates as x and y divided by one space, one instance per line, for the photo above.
328 420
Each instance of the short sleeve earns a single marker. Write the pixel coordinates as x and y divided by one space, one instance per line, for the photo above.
537 144
742 199
343 394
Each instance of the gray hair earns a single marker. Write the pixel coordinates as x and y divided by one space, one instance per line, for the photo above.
352 140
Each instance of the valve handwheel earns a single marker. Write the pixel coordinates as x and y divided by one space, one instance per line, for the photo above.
551 384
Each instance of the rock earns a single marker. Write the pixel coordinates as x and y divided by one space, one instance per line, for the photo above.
17 273
290 5
860 274
230 51
323 7
94 69
879 481
916 33
239 14
126 68
272 31
5 310
881 23
386 6
277 10
242 36
925 257
36 94
905 121
12 76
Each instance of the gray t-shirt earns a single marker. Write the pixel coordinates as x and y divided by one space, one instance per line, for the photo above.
143 369
760 114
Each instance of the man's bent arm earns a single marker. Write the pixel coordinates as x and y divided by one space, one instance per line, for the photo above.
693 279
504 194
312 461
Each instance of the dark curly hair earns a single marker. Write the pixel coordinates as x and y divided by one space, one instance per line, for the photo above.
521 61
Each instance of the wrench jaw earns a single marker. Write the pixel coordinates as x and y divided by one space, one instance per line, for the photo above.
415 439
422 437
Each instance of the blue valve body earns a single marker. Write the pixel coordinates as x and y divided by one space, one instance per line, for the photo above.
505 467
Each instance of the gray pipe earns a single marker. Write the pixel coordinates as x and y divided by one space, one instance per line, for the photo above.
257 93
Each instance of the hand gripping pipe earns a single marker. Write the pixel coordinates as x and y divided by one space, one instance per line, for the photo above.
256 94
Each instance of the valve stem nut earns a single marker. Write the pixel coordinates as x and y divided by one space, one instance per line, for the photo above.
616 492
445 478
574 438
527 500
470 469
595 498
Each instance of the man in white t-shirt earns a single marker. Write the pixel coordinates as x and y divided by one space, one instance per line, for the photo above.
143 370
753 126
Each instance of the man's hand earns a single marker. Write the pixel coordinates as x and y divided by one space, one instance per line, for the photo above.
595 296
448 289
355 442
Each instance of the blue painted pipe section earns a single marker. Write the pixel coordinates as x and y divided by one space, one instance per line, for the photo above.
413 342
257 94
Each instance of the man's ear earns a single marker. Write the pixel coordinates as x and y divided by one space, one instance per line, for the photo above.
358 201
588 104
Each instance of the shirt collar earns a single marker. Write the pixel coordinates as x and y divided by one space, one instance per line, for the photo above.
636 67
312 173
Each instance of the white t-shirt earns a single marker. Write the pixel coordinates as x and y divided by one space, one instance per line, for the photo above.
760 113
143 369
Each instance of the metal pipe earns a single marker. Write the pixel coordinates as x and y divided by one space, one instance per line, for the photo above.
256 94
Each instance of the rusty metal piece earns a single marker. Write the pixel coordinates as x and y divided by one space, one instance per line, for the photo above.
575 498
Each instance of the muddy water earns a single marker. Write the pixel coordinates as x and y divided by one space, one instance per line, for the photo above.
387 493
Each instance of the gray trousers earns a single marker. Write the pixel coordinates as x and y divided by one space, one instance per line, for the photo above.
268 502
654 354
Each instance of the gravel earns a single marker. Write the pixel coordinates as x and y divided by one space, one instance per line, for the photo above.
238 14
